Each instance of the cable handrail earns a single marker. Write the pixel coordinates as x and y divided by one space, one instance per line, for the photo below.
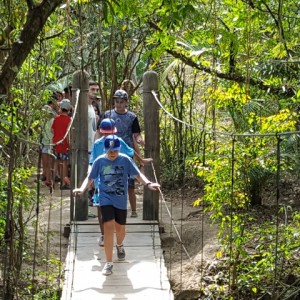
153 92
170 215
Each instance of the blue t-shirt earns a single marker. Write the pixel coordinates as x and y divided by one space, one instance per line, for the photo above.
98 149
112 178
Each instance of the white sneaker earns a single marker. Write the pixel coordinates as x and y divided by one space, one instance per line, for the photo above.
101 241
107 270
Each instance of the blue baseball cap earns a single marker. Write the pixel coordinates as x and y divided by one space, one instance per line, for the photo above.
108 126
112 143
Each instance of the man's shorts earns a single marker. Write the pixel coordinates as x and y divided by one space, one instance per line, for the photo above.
61 156
109 213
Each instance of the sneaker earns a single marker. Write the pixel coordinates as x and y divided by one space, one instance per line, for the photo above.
107 270
133 214
120 252
101 241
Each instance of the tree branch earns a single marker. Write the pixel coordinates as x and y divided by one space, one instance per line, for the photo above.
53 36
288 92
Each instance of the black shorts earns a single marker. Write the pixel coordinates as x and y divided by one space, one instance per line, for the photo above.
109 213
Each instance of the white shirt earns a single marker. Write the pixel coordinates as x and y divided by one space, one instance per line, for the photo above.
92 126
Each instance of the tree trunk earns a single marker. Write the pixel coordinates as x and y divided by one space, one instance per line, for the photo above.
36 19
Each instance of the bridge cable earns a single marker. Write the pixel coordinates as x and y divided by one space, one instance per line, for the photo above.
226 134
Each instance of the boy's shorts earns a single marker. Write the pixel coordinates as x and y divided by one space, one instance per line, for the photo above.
109 213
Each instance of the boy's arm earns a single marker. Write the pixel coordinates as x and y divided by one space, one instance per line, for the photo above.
138 154
144 161
143 180
86 182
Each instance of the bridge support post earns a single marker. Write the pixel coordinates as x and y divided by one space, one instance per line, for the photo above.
152 144
79 145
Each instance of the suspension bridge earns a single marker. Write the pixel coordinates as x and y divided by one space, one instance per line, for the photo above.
143 275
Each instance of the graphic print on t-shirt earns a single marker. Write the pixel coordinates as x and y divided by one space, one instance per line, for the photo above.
113 179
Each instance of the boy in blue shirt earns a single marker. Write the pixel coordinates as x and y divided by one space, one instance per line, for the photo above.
107 126
111 171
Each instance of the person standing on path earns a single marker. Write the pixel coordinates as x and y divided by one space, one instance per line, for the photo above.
92 119
61 142
128 128
111 171
47 153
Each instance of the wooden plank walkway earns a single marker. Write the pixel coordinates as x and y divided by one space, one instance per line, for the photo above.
142 275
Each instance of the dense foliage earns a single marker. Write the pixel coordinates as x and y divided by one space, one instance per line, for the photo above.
229 70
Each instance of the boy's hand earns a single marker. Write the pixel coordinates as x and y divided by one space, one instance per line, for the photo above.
78 191
153 186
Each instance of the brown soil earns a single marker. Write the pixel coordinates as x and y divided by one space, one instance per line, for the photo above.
54 215
189 242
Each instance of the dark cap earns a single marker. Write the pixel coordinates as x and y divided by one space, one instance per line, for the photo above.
121 94
112 143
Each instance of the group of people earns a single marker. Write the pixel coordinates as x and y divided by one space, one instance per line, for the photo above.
55 141
112 171
113 146
56 137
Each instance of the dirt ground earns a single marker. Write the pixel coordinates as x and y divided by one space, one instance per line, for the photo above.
188 240
54 215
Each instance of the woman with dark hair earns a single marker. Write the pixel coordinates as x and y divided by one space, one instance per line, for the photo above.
97 110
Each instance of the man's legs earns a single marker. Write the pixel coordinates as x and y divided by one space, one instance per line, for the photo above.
132 197
46 162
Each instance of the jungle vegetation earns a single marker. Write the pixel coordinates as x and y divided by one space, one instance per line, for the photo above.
229 70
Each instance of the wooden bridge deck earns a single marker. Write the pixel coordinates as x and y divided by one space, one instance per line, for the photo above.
142 275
